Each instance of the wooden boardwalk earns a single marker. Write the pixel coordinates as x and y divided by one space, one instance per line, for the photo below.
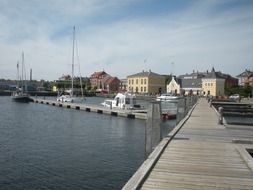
138 114
202 155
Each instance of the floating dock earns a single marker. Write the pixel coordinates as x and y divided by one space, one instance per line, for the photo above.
199 154
235 109
133 114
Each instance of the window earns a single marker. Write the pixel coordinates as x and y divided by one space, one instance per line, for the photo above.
145 89
132 81
129 82
136 81
141 89
141 81
145 81
136 89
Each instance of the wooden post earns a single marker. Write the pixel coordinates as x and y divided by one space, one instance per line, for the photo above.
221 115
153 131
185 108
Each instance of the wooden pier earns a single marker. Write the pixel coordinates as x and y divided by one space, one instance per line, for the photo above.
199 154
138 114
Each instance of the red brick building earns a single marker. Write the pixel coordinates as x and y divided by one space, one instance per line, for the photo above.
229 80
96 79
250 80
244 77
110 84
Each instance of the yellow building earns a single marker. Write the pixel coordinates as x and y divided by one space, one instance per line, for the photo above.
213 84
55 89
146 82
173 87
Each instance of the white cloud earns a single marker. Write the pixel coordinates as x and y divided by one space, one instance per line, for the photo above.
197 38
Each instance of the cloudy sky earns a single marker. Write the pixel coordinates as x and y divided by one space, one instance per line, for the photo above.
124 37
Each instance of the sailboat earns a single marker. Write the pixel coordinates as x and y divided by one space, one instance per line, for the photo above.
21 95
68 95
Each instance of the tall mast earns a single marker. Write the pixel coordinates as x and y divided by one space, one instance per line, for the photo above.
18 82
18 71
22 67
73 60
23 74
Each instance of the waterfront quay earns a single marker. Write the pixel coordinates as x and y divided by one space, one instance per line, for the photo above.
169 110
199 154
138 114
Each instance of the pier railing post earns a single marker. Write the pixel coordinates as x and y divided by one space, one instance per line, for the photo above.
185 108
220 109
153 131
180 110
188 103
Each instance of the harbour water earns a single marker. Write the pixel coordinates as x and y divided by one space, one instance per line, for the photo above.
46 147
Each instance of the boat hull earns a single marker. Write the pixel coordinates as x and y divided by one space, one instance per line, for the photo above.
23 99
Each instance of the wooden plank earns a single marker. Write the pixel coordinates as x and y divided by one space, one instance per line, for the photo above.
141 174
204 156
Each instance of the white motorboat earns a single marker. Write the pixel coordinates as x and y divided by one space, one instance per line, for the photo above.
65 98
167 97
122 101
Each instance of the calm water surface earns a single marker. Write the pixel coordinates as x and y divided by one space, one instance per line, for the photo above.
46 147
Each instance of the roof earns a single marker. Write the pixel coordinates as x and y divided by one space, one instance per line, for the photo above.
191 83
246 73
193 75
109 80
97 74
178 80
145 74
213 75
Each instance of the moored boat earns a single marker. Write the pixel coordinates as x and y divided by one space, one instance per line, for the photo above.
167 97
68 95
122 101
21 95
65 97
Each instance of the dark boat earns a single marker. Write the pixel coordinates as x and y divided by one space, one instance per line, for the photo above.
21 94
21 97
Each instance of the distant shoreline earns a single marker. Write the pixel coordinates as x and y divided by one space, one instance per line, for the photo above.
40 93
33 93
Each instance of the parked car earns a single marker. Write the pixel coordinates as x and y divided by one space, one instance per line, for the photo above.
235 97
